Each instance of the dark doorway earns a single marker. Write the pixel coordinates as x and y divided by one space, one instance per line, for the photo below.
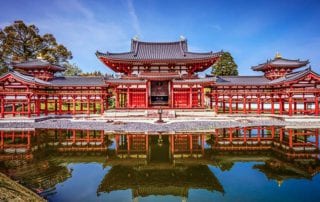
159 93
159 145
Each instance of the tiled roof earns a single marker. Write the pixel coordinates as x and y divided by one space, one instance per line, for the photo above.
26 78
37 63
242 80
78 81
196 80
280 62
177 50
126 81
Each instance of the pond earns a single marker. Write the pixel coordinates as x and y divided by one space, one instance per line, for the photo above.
262 163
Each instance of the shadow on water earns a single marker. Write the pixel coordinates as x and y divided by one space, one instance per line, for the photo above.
57 163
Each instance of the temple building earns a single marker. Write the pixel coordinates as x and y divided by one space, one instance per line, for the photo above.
160 74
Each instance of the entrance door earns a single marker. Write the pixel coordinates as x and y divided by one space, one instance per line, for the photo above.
159 93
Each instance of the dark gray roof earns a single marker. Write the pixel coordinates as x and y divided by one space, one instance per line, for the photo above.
37 63
280 62
177 50
78 81
26 78
196 80
126 81
242 80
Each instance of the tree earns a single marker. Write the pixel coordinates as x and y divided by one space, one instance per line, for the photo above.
72 70
225 66
20 42
95 73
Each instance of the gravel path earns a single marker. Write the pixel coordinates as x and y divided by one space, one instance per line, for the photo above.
145 126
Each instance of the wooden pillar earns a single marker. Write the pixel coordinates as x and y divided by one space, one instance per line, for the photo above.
290 105
249 106
258 105
316 107
244 104
190 96
88 105
117 98
46 105
94 106
280 105
262 106
101 105
147 94
73 105
172 95
294 107
230 104
202 96
223 104
14 109
216 103
128 97
2 108
272 105
55 106
29 106
60 105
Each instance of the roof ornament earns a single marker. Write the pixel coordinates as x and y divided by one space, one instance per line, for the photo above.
278 56
182 38
40 56
136 38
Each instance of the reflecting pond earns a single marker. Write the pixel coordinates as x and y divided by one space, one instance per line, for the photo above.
262 163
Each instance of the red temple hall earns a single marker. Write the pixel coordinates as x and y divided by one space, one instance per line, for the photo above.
160 74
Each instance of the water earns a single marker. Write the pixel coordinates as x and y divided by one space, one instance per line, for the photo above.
232 164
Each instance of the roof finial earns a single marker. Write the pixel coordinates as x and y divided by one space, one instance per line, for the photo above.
182 38
136 38
40 56
278 56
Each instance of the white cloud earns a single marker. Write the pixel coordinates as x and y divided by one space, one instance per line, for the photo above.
134 17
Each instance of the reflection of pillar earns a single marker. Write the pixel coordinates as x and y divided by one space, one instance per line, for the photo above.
317 137
272 132
190 143
147 144
230 135
290 137
88 136
245 135
2 139
28 140
281 135
73 136
259 134
116 137
202 143
128 143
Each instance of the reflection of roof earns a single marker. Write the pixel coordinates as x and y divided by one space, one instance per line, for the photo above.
165 181
159 51
280 62
37 64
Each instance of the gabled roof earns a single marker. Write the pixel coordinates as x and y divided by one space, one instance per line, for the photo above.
280 62
140 50
25 78
294 76
37 64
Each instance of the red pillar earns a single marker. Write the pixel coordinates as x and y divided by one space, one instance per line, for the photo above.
290 105
244 104
117 98
230 104
88 105
73 105
216 103
316 108
29 106
272 105
102 105
258 105
147 93
46 105
2 107
280 105
128 97
202 96
60 105
190 96
14 109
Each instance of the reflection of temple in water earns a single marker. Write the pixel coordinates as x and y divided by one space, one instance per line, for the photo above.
159 164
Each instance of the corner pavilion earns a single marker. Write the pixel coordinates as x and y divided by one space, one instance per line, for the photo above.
160 74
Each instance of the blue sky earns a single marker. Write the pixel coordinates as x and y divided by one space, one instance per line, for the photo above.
253 31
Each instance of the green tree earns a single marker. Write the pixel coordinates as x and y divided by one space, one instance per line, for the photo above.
20 42
71 70
225 66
